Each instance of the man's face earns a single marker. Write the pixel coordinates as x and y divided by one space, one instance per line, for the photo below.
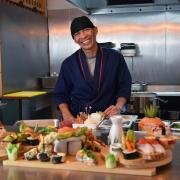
86 38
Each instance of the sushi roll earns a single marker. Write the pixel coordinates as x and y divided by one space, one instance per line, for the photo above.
43 156
130 154
31 154
63 157
31 141
55 159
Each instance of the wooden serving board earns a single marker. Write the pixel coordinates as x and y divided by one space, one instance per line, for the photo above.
72 164
141 163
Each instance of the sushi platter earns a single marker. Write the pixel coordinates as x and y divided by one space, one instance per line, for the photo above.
130 167
78 149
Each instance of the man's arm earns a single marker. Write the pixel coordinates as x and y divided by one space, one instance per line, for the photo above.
64 108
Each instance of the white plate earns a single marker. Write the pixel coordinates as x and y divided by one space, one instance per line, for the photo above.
126 122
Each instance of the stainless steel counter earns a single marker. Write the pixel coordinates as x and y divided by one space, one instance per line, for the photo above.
167 93
167 172
158 93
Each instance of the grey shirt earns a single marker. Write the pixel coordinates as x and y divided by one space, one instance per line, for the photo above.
91 64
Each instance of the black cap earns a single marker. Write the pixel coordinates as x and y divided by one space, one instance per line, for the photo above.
80 23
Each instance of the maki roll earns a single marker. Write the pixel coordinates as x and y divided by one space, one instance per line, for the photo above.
59 158
130 154
43 156
31 154
63 157
31 141
55 159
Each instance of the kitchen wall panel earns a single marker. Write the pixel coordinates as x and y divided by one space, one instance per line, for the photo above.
24 46
172 60
147 32
61 43
156 35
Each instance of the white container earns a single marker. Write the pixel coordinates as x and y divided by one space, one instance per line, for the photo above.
116 131
73 147
60 146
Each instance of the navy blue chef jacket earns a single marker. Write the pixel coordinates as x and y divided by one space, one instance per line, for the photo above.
76 87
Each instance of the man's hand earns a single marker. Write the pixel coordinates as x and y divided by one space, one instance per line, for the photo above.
115 109
111 110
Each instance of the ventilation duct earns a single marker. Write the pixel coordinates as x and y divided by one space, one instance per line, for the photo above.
125 2
125 6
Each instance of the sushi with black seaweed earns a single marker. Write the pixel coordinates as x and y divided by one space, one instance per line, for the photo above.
43 156
130 154
31 141
55 159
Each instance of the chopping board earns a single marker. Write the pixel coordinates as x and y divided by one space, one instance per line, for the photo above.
24 94
72 164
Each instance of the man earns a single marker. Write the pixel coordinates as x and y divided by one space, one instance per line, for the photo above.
93 78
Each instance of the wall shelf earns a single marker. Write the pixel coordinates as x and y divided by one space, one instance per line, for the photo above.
38 6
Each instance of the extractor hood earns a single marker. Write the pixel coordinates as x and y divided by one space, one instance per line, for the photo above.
118 6
124 2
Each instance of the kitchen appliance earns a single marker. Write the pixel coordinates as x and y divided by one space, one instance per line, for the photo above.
138 87
174 115
108 45
128 49
139 100
48 82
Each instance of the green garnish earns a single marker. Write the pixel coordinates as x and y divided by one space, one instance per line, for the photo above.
110 161
175 126
22 127
12 151
90 154
80 131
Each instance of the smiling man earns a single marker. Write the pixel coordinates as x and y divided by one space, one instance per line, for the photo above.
93 77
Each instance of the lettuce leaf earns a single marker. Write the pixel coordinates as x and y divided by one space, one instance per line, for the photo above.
110 161
12 151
